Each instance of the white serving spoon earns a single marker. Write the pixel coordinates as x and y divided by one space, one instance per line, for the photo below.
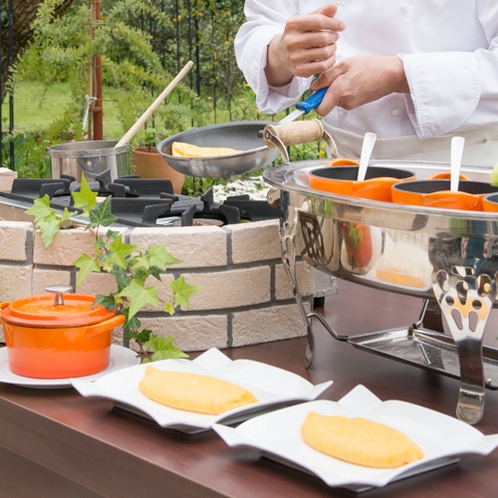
366 151
457 144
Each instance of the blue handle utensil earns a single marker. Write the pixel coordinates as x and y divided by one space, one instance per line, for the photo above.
305 106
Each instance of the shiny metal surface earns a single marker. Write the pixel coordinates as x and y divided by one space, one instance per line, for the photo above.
444 255
91 158
317 221
242 135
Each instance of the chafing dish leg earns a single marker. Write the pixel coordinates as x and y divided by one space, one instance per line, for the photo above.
310 345
471 396
466 300
289 260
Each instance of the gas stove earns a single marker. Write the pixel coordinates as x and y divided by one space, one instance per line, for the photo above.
140 202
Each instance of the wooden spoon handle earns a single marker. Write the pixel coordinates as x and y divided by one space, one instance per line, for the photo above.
146 115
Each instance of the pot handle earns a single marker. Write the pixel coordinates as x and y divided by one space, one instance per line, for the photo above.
4 304
282 135
105 326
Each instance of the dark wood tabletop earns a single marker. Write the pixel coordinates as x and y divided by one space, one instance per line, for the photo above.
55 443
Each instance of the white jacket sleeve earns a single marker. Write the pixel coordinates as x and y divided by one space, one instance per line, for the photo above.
264 21
455 90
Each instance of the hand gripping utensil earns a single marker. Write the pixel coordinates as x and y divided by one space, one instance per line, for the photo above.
283 133
304 107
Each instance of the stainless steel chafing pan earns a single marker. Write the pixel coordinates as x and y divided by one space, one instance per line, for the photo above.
449 258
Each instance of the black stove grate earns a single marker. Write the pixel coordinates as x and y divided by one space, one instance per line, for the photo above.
138 202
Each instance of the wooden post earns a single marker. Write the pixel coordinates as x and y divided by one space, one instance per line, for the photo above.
96 131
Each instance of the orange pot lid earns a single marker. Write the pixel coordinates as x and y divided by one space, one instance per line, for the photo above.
41 311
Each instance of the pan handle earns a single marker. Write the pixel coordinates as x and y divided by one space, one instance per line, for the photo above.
298 132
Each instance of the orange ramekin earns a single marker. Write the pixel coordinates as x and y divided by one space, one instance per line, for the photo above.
445 175
342 180
437 194
490 202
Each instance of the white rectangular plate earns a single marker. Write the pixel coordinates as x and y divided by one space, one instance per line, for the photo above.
272 386
277 435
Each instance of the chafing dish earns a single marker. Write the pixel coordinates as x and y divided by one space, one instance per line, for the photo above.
448 258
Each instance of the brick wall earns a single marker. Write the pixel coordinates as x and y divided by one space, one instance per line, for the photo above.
246 297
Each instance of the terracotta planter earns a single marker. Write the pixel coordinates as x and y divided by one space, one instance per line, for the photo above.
152 165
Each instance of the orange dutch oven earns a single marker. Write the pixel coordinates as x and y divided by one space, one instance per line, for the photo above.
61 337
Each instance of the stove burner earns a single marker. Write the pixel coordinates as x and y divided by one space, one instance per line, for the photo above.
145 202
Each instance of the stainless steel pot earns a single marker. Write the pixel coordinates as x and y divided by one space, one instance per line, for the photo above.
449 258
90 158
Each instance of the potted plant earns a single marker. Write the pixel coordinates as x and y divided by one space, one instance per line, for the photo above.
148 163
130 265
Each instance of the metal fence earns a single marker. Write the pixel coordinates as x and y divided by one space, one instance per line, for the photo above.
198 30
7 30
204 31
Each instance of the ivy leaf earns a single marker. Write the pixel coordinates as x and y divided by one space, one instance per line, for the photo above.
143 336
183 291
164 349
102 215
131 324
121 277
158 256
119 251
86 265
112 234
139 296
41 208
169 308
99 244
66 216
140 275
48 229
141 262
155 272
85 198
107 301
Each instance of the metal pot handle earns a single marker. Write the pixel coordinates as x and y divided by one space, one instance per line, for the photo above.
299 132
105 326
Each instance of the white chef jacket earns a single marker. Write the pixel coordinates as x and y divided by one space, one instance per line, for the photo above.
449 50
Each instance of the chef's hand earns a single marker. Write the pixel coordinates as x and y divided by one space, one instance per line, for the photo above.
360 79
306 47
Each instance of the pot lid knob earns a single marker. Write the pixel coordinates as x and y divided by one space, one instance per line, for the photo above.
59 290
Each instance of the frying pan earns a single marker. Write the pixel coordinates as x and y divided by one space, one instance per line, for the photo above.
245 136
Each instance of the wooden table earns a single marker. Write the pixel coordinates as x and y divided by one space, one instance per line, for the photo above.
55 443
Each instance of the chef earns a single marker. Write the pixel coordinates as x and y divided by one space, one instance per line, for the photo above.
414 72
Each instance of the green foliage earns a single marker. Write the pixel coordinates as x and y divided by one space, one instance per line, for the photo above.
143 44
46 219
63 47
130 265
494 176
163 347
31 155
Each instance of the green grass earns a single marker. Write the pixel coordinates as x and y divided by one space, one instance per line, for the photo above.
36 106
